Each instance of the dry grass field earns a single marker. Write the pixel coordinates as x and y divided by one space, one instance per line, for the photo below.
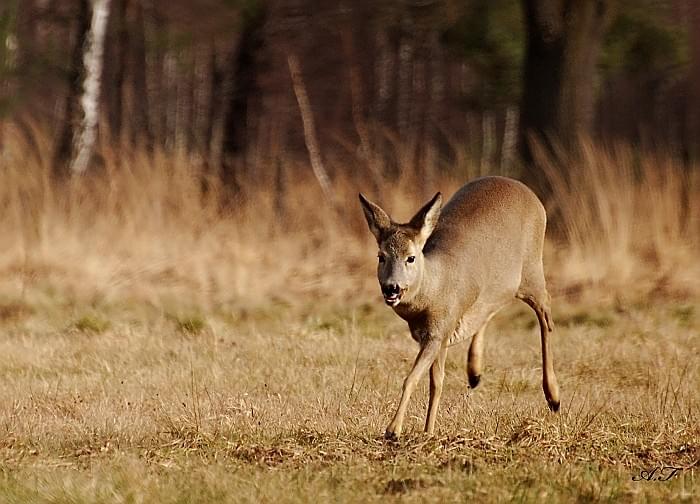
155 347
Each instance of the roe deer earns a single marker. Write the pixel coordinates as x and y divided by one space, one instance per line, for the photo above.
447 273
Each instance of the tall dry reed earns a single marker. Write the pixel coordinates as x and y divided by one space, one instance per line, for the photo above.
623 225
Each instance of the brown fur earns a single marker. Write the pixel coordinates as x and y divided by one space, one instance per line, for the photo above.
472 258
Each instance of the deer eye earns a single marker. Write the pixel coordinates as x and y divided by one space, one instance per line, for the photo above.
410 259
381 259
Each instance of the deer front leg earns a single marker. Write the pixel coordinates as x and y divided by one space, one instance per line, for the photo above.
426 356
437 376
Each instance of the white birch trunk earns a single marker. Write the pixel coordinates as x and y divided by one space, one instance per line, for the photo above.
90 101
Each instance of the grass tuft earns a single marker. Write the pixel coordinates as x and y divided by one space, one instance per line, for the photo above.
192 325
91 324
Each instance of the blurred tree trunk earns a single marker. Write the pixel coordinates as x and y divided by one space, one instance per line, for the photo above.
405 78
141 131
309 124
201 86
694 113
212 148
383 70
510 128
168 95
26 34
113 82
435 107
184 104
244 70
563 44
63 144
357 101
90 100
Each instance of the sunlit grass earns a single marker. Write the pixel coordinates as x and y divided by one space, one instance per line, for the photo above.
270 411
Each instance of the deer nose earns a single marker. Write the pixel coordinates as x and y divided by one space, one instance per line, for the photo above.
390 289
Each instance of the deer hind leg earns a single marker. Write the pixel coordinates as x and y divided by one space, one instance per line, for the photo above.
475 354
540 304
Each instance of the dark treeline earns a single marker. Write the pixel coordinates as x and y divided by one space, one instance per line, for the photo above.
211 78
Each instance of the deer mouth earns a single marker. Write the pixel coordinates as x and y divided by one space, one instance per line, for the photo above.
393 299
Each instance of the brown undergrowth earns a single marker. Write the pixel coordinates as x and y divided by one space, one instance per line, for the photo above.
623 226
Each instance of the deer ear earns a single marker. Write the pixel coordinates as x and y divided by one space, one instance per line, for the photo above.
377 219
427 218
